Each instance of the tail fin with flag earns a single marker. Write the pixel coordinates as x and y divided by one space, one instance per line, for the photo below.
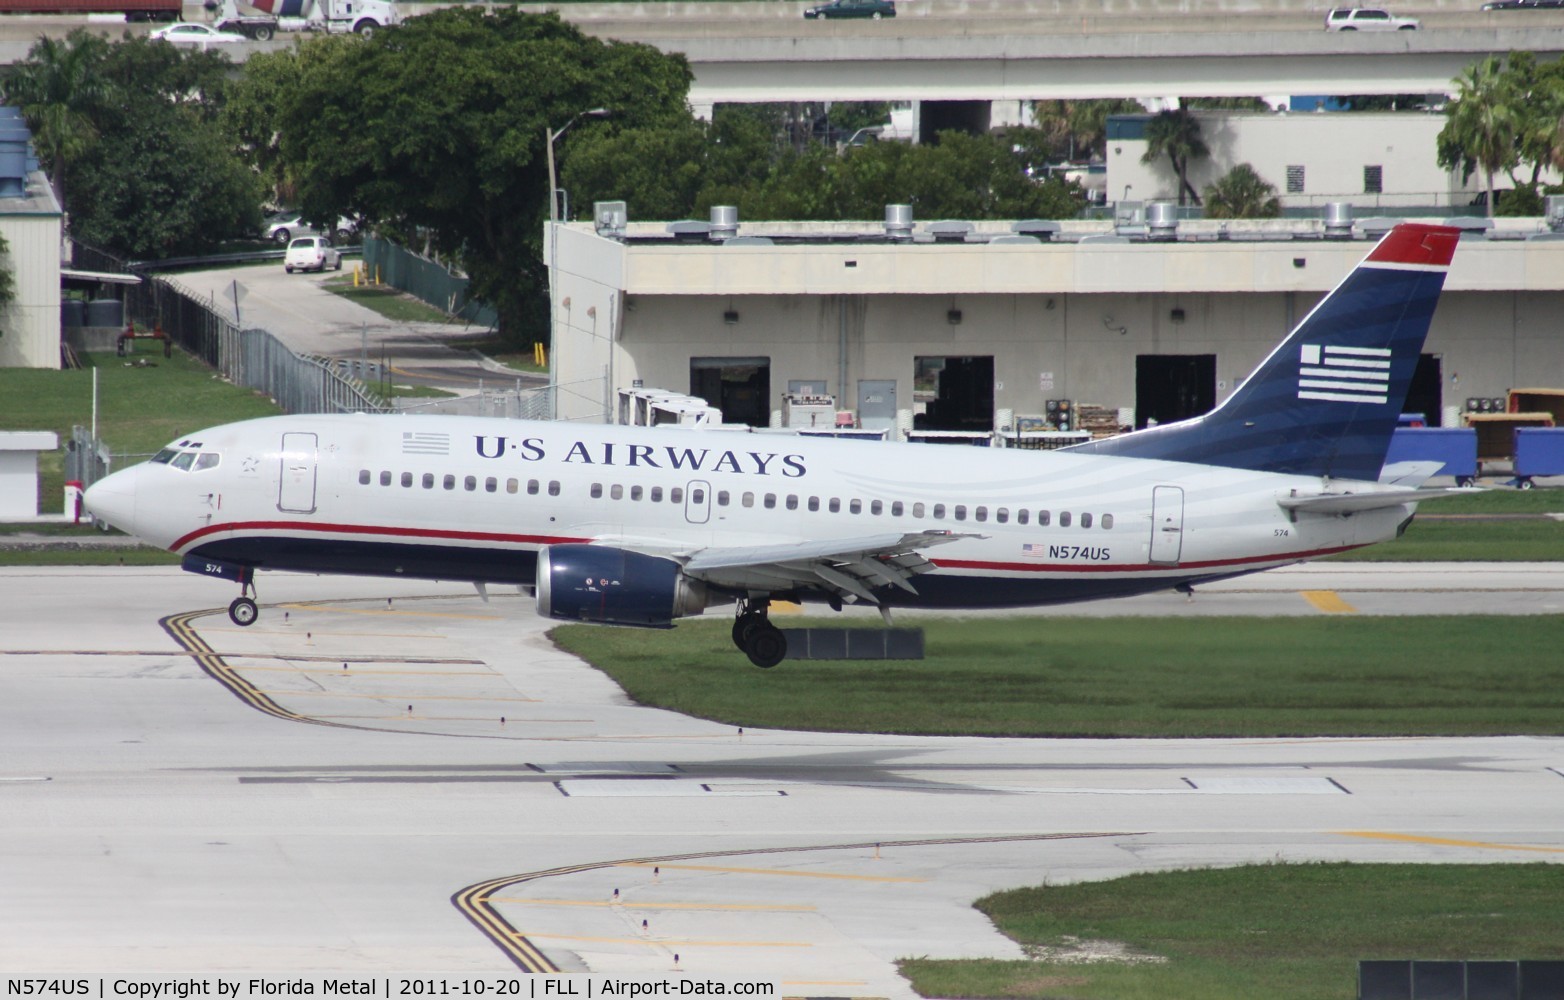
1326 402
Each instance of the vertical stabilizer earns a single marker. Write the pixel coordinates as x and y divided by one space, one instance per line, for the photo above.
1326 402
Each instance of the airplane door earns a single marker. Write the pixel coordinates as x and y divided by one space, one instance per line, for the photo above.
296 492
697 502
1167 524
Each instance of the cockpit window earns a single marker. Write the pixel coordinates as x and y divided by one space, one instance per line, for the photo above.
165 456
206 460
184 460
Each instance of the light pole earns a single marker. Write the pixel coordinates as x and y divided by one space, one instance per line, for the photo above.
550 136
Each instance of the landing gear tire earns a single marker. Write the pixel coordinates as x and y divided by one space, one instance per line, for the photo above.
744 627
243 612
766 646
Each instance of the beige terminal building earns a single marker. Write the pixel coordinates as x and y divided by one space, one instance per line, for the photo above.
947 327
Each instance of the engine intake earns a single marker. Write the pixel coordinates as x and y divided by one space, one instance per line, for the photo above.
595 583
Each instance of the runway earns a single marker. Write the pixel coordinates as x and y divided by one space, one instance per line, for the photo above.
395 776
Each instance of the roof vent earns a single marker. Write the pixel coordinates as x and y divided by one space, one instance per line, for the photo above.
949 232
898 222
1044 230
610 218
1553 212
1338 220
687 230
724 222
1162 221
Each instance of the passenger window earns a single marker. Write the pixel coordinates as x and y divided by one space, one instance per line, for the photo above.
1022 516
449 482
835 505
596 492
981 514
1042 519
532 487
855 507
896 508
512 485
657 494
363 476
1064 519
697 495
722 498
407 480
876 507
748 500
428 480
635 493
917 510
553 487
939 512
491 485
769 501
792 502
1002 515
616 492
1107 521
676 495
206 460
961 512
814 503
385 476
1086 520
471 483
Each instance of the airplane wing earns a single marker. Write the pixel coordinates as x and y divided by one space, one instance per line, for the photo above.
852 567
1348 503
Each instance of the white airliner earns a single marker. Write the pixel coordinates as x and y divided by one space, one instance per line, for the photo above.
641 526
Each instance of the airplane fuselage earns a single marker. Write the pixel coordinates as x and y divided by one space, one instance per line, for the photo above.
461 498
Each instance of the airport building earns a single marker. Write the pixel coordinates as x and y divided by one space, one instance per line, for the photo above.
941 327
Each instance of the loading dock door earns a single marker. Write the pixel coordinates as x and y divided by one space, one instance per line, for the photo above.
1167 524
296 492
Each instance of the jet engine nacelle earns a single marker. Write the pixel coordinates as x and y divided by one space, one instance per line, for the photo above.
596 583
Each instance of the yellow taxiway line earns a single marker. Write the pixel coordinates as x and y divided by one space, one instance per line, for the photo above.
1328 601
1411 838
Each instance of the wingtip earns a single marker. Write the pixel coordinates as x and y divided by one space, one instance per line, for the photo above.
1417 243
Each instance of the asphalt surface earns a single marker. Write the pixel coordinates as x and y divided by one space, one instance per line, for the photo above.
392 775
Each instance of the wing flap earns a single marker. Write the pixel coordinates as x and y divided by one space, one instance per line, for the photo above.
850 567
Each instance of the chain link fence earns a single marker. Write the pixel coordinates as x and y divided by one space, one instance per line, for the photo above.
425 279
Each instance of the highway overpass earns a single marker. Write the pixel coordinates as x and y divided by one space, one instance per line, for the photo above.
979 50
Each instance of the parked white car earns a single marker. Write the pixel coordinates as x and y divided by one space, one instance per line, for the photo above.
311 253
1368 19
199 35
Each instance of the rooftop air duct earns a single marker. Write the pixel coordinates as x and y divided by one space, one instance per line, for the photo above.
1162 221
724 222
898 222
1338 220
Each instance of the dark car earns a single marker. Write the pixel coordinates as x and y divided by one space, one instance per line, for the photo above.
1524 5
875 9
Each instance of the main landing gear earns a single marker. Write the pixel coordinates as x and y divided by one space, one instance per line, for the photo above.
761 641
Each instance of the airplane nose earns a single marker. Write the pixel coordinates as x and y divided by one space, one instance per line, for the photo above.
113 499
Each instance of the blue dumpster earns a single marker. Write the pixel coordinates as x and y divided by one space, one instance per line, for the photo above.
1539 451
1455 448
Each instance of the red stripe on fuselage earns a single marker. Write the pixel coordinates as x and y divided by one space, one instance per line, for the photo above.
439 534
442 534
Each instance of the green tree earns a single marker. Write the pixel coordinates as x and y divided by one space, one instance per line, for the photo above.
60 90
1176 135
436 130
1242 194
1480 129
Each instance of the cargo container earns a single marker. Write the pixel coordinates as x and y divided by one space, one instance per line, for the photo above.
1455 448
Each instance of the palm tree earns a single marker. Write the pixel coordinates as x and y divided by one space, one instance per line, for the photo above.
1176 134
56 90
1242 194
1481 126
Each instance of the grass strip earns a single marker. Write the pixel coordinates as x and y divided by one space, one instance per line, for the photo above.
1279 931
1127 677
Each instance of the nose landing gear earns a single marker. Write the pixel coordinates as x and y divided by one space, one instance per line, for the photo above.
761 641
244 611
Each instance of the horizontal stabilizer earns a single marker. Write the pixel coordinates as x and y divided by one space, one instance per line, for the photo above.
1349 503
